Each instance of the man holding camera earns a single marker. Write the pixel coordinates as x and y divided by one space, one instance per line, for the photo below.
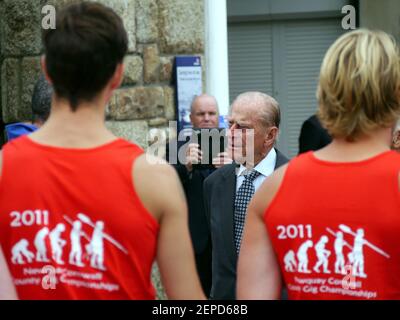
203 115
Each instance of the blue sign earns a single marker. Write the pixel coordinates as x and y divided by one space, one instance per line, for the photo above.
188 85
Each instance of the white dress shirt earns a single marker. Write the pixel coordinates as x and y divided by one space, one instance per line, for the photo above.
265 167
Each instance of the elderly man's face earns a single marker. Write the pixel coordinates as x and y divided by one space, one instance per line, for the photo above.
204 113
247 135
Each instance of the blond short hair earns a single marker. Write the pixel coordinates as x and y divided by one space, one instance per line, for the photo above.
359 84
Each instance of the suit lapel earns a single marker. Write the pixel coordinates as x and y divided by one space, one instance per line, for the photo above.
229 192
280 159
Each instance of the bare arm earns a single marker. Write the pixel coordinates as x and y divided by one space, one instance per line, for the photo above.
161 192
258 270
7 289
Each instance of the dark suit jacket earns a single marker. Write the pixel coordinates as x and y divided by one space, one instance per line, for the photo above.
313 136
219 197
192 184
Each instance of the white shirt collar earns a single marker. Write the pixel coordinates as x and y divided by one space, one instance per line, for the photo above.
266 166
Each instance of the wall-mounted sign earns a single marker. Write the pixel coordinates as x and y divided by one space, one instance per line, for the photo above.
188 85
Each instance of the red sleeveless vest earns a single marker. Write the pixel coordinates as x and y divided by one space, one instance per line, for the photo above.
72 225
335 228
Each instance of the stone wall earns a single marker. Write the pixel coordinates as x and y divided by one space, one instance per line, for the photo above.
158 31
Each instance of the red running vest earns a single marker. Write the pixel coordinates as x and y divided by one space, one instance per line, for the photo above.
335 228
71 223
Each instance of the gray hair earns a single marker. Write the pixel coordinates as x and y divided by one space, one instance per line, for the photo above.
268 107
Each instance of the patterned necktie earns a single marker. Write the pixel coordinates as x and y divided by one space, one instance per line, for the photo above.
242 199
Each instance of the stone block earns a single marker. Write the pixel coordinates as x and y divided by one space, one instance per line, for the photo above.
137 103
135 131
170 109
181 26
10 90
133 70
166 69
157 122
151 63
21 29
146 21
30 72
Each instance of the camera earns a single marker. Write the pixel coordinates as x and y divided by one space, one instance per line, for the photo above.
212 141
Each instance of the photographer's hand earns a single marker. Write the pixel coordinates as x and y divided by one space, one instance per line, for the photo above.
193 155
221 159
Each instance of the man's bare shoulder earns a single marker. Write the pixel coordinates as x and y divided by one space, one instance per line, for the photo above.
153 166
277 176
269 189
156 184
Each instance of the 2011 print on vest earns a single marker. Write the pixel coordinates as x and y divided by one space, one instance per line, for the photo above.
93 251
329 262
355 255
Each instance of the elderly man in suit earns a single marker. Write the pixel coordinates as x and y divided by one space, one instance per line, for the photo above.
254 127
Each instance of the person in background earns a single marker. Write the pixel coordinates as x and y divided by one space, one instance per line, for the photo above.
41 105
203 114
313 136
